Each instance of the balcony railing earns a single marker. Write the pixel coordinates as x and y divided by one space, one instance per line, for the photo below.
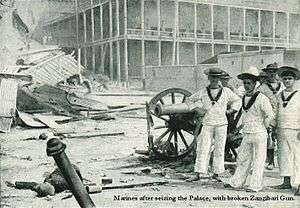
251 37
206 35
217 35
186 34
135 31
280 39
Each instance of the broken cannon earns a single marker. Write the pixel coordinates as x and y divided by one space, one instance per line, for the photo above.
172 128
56 149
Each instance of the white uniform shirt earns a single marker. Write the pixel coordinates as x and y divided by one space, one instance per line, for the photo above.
268 92
289 116
259 116
215 114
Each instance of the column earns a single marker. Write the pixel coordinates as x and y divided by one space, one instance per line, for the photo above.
274 26
111 67
175 52
143 42
212 29
101 38
158 17
259 25
118 43
93 38
228 24
288 28
77 37
244 22
159 53
195 34
158 31
84 35
125 45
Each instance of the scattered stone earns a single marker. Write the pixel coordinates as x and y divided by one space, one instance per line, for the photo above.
43 136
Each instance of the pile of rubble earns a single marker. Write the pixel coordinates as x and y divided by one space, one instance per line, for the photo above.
36 79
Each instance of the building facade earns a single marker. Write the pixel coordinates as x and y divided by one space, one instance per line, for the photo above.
125 38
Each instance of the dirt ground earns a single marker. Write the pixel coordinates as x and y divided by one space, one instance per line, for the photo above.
110 156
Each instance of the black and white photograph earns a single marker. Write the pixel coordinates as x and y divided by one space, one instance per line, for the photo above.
149 103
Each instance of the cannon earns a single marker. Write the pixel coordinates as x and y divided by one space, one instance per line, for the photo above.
173 128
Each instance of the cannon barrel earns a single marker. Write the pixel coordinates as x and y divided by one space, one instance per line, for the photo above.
56 149
160 110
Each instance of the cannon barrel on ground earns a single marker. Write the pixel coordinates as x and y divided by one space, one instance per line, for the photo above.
160 110
56 149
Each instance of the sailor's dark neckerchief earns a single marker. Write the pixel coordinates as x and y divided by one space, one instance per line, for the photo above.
274 91
251 101
285 101
214 100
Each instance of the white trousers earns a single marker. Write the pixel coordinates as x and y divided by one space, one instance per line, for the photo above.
211 135
251 155
289 153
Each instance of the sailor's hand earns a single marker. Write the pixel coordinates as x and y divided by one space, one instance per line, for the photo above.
200 111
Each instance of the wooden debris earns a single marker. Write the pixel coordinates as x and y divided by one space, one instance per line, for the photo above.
23 77
47 120
126 109
125 94
30 121
133 185
136 117
142 152
106 180
127 185
8 101
91 134
85 103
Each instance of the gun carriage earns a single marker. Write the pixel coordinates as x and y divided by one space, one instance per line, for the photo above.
173 128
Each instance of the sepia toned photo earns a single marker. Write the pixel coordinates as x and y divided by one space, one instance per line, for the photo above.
149 103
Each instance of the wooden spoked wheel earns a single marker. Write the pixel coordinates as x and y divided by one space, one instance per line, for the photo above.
173 135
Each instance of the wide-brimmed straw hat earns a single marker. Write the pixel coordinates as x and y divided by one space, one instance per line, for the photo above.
216 72
249 73
271 68
225 75
289 71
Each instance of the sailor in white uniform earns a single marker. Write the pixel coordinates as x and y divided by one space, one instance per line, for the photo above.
256 115
288 124
212 102
272 87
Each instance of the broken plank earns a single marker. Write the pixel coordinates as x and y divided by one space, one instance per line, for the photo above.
5 124
47 120
72 131
125 94
126 109
92 134
29 120
142 152
24 77
123 186
40 50
137 117
133 185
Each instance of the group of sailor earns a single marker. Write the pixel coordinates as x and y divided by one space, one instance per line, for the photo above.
267 111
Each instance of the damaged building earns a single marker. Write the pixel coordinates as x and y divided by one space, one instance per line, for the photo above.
127 39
